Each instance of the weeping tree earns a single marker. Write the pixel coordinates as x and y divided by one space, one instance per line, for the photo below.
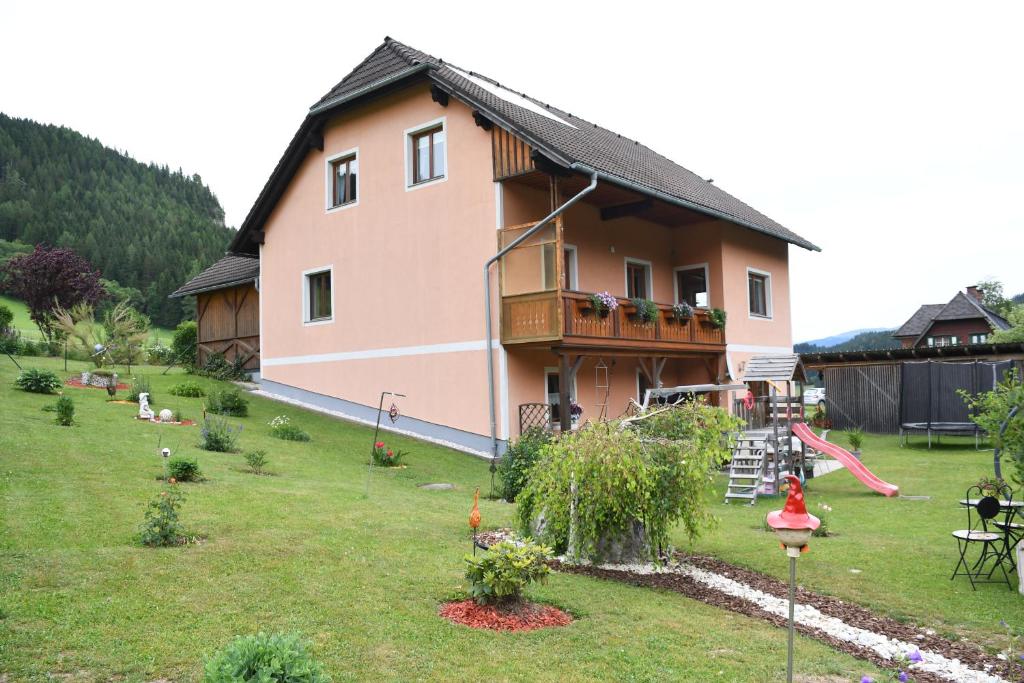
614 491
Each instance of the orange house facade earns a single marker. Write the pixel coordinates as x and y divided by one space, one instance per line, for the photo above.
376 229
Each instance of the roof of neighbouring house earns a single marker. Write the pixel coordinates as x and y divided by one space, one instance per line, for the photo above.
230 271
567 140
960 307
780 367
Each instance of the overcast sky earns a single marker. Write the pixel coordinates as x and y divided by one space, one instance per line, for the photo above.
890 134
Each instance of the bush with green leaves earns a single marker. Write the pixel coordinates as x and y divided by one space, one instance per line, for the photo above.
187 389
500 575
184 343
140 385
227 402
162 526
38 381
646 310
256 460
219 436
514 468
65 409
717 316
265 658
991 411
219 367
183 469
6 319
281 427
158 354
659 472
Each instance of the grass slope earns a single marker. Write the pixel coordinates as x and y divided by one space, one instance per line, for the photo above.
23 323
303 550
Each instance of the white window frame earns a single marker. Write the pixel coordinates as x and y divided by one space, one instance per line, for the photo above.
407 141
329 181
575 265
695 266
650 275
769 304
305 295
981 337
574 395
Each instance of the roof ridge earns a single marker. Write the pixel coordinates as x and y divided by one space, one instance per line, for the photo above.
352 71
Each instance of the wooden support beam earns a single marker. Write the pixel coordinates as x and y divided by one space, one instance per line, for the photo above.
482 121
658 364
438 95
574 369
622 210
564 406
648 375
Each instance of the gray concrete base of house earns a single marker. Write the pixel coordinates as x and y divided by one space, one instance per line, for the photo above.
467 442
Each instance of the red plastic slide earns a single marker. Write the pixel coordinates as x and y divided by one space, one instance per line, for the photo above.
804 433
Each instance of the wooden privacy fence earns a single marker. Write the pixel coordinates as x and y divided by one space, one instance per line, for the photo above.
865 396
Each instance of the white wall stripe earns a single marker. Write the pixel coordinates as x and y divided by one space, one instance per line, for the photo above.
753 348
394 352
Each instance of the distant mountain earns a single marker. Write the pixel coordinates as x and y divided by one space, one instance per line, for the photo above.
840 338
861 340
143 225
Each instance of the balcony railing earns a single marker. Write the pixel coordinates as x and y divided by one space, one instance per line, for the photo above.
554 315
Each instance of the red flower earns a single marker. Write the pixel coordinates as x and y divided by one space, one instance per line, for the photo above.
379 444
390 454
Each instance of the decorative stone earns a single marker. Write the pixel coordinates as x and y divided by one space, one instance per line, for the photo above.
166 415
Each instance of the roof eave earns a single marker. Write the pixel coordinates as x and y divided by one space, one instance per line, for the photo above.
183 292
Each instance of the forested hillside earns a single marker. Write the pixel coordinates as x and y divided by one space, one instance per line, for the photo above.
864 341
144 226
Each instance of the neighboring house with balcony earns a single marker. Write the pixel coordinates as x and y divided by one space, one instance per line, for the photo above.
409 175
962 321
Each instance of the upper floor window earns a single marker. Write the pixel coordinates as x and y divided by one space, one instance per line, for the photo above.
427 153
692 285
318 295
342 179
759 293
638 279
570 274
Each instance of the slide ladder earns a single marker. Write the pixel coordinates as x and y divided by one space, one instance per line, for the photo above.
745 470
856 467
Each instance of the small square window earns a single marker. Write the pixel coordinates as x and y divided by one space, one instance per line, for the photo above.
344 181
428 154
759 294
318 296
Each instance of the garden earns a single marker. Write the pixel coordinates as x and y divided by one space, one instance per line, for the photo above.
256 532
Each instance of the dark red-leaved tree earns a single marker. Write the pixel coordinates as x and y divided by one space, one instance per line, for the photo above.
48 277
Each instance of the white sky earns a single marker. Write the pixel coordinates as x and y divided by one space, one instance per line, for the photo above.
891 134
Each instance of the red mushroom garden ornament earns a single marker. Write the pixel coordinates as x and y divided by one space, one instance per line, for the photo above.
793 525
474 516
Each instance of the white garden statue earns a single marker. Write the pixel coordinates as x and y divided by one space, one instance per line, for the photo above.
145 412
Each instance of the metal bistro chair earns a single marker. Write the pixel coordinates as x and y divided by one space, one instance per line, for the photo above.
982 513
1012 529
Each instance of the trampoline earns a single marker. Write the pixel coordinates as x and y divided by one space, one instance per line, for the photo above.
930 402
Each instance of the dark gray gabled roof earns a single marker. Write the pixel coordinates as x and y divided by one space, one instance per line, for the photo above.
920 321
230 271
965 307
566 139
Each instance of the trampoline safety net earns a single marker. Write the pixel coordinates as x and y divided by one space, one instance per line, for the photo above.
929 397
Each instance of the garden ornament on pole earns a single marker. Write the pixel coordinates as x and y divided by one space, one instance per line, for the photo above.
474 516
793 526
393 415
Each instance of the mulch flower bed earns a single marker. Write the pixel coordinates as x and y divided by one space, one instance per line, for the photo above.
854 615
183 423
77 382
525 616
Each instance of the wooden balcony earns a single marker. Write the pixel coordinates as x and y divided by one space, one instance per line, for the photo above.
566 318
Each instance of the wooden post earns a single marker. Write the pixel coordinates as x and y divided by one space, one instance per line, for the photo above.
564 377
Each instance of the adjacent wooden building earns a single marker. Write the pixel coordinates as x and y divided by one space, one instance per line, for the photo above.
227 310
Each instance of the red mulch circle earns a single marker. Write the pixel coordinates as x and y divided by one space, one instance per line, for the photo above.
523 617
77 382
183 423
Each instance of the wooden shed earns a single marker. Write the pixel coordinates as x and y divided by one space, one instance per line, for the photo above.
227 309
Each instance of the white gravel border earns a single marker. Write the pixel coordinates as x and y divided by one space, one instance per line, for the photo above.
811 617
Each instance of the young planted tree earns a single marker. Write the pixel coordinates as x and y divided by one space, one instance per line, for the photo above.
121 334
49 278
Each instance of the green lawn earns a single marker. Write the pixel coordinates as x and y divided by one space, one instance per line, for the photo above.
23 323
902 548
304 550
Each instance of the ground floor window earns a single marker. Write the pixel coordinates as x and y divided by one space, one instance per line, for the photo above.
319 299
979 338
943 340
551 389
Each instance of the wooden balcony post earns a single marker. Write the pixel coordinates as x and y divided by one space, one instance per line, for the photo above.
564 377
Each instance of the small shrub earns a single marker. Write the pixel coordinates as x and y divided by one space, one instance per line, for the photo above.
162 527
256 460
513 471
184 342
159 355
178 416
265 658
500 575
219 367
823 513
386 457
38 381
228 402
183 469
855 437
188 389
140 385
219 436
6 318
281 427
30 349
65 411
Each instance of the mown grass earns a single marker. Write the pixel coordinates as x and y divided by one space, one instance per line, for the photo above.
893 555
28 330
303 550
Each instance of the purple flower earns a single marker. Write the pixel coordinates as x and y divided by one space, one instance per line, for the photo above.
867 679
903 677
915 656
